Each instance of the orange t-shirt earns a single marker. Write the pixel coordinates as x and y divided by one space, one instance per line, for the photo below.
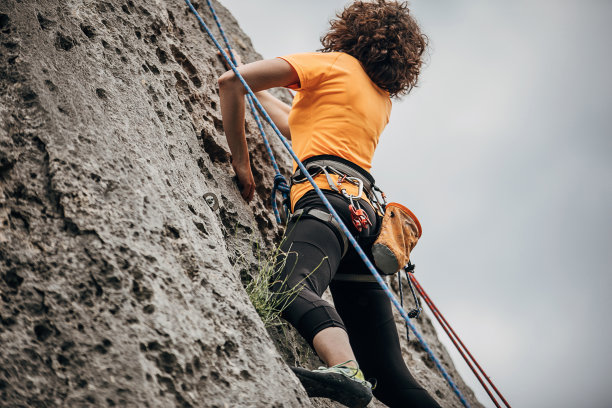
337 110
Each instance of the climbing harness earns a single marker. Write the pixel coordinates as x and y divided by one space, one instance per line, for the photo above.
352 240
325 217
346 171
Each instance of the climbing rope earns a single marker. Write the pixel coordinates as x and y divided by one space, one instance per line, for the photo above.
280 183
327 204
458 343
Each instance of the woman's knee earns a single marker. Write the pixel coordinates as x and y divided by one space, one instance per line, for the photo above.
310 314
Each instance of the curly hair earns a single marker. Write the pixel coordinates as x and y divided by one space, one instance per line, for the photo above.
385 38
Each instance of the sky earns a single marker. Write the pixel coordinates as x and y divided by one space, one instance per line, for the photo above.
504 152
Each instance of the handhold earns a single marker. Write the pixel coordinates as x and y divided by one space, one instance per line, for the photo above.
212 201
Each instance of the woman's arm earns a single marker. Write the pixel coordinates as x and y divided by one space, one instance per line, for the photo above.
260 75
278 111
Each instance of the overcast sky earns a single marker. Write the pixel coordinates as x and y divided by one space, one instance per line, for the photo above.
504 153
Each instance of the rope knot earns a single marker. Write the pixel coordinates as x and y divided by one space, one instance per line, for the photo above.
280 183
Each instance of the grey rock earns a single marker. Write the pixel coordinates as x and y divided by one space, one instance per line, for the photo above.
120 285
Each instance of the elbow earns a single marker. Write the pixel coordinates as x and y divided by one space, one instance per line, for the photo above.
229 80
226 78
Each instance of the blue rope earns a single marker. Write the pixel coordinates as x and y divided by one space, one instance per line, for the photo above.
332 211
280 183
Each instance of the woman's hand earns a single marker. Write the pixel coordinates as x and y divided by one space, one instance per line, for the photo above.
246 182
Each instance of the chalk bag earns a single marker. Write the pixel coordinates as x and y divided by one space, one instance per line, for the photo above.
399 233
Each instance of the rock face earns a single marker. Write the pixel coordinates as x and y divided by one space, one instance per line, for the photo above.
120 285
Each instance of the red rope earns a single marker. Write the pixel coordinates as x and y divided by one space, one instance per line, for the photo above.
452 335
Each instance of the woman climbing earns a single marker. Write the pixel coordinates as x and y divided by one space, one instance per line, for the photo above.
371 53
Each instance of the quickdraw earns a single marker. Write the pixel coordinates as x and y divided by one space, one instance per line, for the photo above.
359 217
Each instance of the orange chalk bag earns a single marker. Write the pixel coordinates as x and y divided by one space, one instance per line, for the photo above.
399 234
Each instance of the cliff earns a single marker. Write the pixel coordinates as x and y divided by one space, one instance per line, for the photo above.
120 285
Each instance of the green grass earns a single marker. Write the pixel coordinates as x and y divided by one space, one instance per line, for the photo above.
269 304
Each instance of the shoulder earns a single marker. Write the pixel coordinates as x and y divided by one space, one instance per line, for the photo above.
311 67
344 58
313 58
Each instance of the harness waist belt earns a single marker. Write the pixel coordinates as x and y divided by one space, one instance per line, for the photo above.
323 163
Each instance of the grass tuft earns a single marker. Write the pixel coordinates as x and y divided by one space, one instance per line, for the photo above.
263 287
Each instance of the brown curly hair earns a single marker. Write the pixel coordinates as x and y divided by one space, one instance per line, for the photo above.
385 38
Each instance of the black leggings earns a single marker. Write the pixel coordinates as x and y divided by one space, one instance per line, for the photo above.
313 256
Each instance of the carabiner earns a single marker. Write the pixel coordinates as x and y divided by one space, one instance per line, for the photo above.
355 181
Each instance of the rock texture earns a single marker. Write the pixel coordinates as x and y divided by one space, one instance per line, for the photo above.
120 285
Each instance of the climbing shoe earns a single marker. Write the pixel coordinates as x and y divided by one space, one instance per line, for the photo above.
340 383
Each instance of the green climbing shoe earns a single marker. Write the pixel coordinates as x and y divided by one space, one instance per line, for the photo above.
340 383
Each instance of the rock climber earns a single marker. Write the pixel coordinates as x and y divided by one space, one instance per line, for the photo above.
371 53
